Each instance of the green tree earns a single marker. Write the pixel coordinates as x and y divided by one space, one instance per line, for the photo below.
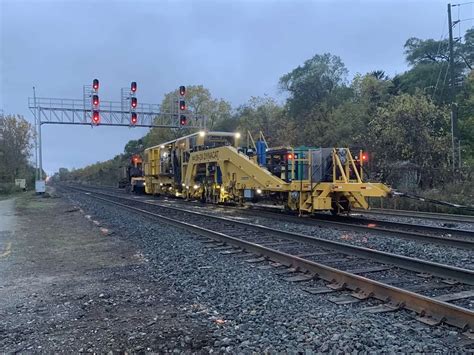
465 101
411 128
16 135
429 62
261 114
64 174
134 146
100 173
467 52
198 101
315 90
316 82
351 119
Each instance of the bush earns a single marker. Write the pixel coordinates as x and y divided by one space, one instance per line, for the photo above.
7 188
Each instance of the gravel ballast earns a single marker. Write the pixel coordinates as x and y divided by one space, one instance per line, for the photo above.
250 309
419 221
425 251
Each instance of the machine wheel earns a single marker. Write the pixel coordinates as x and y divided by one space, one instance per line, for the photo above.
341 205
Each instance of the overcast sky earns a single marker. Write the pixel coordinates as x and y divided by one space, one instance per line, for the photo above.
237 49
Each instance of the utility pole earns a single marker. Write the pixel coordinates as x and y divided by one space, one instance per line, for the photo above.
452 91
36 137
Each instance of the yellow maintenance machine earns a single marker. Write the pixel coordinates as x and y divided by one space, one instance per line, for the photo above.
214 167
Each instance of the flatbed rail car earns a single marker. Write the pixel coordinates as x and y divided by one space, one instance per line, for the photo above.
212 167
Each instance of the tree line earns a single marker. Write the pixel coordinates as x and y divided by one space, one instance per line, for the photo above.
16 136
403 121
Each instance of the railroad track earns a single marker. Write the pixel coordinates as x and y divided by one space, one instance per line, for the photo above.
457 238
418 214
446 236
407 226
353 273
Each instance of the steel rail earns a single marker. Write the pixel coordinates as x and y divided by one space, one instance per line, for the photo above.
453 242
319 221
423 266
347 223
438 311
419 227
363 226
419 214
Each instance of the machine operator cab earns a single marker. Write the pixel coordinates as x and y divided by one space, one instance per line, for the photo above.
166 163
175 152
289 164
297 164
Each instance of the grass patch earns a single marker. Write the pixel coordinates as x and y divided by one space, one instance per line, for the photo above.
10 195
29 200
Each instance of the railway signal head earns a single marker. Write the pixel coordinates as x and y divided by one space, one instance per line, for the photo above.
95 117
134 118
95 84
364 157
182 105
95 100
183 120
182 90
133 86
133 102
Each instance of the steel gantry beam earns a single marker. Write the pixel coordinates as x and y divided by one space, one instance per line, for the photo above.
103 113
112 113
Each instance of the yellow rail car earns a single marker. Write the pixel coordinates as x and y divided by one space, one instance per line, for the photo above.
214 167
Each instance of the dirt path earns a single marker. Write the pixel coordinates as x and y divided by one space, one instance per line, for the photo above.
8 224
67 286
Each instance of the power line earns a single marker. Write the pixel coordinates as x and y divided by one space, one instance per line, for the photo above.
441 38
444 81
439 77
459 21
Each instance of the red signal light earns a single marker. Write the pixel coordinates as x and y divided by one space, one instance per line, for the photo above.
183 120
289 156
182 90
133 86
134 102
95 100
95 84
182 105
134 118
95 117
364 157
